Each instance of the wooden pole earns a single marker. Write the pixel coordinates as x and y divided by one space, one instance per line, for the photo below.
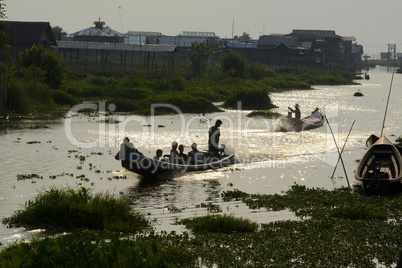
339 153
337 162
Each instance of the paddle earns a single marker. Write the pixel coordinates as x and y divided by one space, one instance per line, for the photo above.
339 153
337 162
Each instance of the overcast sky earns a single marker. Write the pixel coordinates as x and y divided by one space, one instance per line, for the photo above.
375 24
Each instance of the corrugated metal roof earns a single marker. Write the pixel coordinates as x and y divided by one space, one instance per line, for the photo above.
274 40
315 33
242 45
136 39
198 34
136 33
116 46
181 41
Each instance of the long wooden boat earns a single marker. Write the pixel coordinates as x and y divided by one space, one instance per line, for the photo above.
148 167
380 169
315 120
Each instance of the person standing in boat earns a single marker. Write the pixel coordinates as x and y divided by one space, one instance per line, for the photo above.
296 111
213 138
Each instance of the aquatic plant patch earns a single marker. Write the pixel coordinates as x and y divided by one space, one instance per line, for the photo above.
220 224
69 251
66 209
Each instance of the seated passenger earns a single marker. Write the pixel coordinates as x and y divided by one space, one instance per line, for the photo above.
158 154
173 153
127 147
182 156
194 156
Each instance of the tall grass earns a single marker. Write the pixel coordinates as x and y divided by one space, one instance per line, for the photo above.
71 252
78 209
220 224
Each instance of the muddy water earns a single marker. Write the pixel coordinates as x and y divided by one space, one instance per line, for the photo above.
79 151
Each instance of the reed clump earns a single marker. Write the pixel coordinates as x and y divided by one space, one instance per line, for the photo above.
220 224
69 209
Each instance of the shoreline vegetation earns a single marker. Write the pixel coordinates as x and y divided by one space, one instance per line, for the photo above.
47 90
340 228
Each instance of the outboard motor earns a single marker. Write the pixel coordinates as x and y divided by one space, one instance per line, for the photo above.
222 149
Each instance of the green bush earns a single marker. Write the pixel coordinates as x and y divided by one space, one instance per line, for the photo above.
178 83
123 105
251 99
23 95
185 102
77 209
63 98
101 80
258 71
92 91
210 95
234 65
46 60
132 82
17 99
136 93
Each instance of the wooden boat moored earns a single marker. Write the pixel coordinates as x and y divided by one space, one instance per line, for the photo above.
380 169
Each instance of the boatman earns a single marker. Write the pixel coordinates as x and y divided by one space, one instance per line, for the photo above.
296 111
213 138
127 147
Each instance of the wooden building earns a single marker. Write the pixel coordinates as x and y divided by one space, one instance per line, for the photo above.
25 34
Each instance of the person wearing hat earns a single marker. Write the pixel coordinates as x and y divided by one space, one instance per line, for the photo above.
213 138
296 111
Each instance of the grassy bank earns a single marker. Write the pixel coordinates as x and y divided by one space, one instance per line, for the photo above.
338 228
191 95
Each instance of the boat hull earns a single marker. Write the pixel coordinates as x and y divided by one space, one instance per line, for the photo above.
380 169
148 167
315 120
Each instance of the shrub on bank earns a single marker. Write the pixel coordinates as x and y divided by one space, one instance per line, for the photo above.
67 209
185 102
46 60
250 99
234 65
259 71
62 98
266 114
22 95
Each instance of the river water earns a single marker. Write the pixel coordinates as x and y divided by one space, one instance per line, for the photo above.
79 151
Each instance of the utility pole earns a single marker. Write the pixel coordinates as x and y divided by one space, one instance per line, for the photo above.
121 22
